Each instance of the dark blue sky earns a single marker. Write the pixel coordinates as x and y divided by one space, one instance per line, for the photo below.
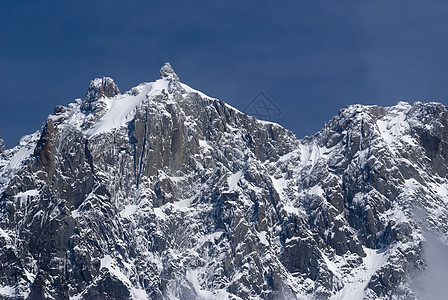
310 57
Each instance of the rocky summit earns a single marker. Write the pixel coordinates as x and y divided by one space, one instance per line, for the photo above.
165 193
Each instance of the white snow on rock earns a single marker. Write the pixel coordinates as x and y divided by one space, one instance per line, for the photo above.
4 235
359 277
121 108
7 291
296 175
263 239
128 210
110 264
233 180
16 157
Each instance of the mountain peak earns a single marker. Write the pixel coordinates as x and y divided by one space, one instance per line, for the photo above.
104 86
339 214
98 88
167 72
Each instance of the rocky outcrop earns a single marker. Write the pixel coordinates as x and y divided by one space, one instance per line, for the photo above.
99 88
2 146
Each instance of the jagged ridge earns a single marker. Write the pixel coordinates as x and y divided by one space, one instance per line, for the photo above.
164 192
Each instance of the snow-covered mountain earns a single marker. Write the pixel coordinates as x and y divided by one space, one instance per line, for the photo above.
165 193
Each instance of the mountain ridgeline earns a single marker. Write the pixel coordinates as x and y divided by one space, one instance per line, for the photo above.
165 193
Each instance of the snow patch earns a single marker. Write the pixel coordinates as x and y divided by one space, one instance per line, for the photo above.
394 127
159 213
4 235
311 154
317 190
357 281
233 180
262 238
184 203
268 123
192 277
75 214
189 89
128 210
109 263
25 149
279 184
205 145
7 291
139 294
121 109
29 276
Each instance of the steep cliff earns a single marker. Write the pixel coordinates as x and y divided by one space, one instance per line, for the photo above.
166 193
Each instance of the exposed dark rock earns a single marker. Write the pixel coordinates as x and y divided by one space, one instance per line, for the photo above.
2 146
99 88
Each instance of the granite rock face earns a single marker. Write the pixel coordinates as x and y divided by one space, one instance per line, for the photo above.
164 192
2 146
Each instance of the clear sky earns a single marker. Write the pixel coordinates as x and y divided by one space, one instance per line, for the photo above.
310 58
